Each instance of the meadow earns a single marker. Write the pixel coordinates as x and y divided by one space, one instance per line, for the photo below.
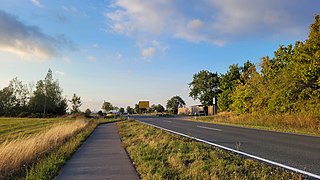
157 154
37 148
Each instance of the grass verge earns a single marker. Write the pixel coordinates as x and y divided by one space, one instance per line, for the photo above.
291 123
157 154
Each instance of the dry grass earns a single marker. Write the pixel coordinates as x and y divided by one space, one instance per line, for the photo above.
303 124
24 150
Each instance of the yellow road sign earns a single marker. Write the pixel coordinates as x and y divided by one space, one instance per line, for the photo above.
143 104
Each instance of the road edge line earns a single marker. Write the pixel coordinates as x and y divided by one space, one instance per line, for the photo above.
238 152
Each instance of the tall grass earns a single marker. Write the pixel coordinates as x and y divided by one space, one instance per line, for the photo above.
25 150
295 123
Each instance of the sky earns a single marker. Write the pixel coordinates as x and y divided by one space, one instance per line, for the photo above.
124 51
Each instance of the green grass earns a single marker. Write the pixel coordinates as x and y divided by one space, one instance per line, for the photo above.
157 154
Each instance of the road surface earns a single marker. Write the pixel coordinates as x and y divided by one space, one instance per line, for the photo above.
297 151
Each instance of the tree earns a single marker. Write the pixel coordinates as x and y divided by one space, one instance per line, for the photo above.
174 103
204 87
100 113
7 101
87 113
130 110
137 110
76 103
107 106
121 110
159 108
47 98
21 95
228 83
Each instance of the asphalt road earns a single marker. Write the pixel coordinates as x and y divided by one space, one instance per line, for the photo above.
298 151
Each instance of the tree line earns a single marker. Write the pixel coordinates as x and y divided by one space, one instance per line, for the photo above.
287 83
18 99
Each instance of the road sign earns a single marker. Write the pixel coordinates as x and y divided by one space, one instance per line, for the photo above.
143 104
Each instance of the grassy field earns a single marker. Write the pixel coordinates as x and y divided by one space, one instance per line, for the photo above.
37 148
14 128
276 122
157 154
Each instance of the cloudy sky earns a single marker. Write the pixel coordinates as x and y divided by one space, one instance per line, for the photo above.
123 51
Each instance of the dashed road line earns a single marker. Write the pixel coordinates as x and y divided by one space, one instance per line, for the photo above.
214 129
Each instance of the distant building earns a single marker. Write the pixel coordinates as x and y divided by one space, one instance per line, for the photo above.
197 110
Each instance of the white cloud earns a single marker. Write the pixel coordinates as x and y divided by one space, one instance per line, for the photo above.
214 21
91 58
37 3
148 52
60 73
28 41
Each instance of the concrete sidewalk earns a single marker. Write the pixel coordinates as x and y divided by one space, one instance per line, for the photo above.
100 157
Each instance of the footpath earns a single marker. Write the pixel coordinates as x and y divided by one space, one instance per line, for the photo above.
101 156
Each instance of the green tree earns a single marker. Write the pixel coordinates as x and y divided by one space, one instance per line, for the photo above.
243 96
76 103
174 103
121 110
87 113
137 110
7 101
47 98
130 110
159 108
107 106
204 87
228 83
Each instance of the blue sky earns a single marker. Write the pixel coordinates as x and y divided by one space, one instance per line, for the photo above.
123 51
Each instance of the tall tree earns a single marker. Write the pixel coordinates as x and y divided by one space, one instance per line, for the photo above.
228 83
107 106
7 101
204 87
76 103
174 103
47 98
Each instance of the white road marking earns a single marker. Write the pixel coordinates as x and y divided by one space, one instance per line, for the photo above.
214 129
239 152
167 121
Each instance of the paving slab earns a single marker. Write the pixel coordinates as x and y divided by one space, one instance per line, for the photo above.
101 156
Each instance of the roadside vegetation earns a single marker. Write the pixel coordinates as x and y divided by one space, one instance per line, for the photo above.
282 94
37 148
157 154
